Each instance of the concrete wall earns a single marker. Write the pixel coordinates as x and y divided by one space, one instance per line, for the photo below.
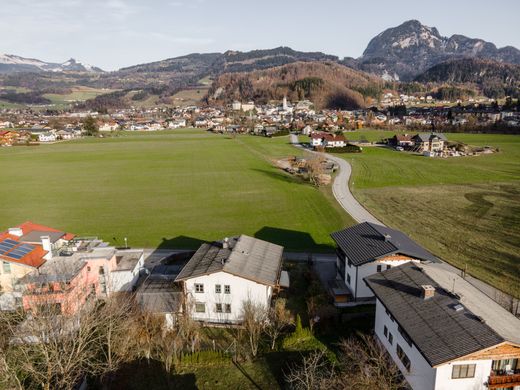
241 290
421 375
443 380
9 279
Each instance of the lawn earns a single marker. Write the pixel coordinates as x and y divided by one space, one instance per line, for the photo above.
466 210
78 94
167 189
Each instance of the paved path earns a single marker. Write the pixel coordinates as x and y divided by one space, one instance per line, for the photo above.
341 190
345 198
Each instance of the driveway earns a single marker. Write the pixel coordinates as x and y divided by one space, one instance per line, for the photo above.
341 190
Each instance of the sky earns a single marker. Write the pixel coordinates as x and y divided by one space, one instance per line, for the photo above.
115 33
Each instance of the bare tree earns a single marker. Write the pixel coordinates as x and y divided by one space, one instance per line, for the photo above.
278 319
254 316
365 364
48 349
312 374
315 168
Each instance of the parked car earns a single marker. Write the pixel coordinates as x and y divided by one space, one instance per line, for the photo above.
399 148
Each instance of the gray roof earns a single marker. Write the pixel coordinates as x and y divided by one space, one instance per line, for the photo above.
57 269
35 236
127 260
425 137
368 241
159 295
437 330
245 256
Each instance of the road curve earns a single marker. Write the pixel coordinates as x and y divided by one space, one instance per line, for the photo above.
341 190
345 198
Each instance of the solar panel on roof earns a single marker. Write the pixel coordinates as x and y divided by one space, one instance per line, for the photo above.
27 247
8 244
14 256
9 241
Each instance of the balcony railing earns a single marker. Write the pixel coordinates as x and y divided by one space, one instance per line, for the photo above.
501 379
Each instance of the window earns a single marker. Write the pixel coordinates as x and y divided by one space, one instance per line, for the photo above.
388 266
350 263
403 358
228 308
199 288
405 336
391 338
463 371
101 270
200 307
88 268
389 315
6 267
218 307
385 331
227 289
218 288
348 278
379 268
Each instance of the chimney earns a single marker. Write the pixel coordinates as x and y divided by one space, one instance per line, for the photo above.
428 291
388 237
16 231
225 244
46 244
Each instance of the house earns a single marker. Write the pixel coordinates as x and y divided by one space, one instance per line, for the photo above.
221 276
403 140
109 126
176 124
368 248
430 142
24 249
442 332
64 283
328 140
249 106
307 130
48 136
160 295
129 264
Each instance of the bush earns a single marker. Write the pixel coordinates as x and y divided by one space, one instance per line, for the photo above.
346 149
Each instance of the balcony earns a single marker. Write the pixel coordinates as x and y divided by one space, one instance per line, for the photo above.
501 379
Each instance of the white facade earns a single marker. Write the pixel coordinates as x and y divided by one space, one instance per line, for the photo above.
47 137
354 275
223 306
125 280
422 376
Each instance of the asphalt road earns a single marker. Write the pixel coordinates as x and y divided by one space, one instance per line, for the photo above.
341 190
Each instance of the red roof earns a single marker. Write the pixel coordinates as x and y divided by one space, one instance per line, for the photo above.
328 137
35 257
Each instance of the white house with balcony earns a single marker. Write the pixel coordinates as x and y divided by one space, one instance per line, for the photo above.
221 276
442 332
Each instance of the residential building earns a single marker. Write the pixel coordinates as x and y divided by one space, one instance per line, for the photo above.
328 140
368 248
221 276
48 136
129 264
442 332
430 142
65 283
26 248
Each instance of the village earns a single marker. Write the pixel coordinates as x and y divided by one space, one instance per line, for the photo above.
406 288
24 126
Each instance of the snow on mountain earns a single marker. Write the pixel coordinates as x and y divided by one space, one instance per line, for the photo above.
10 63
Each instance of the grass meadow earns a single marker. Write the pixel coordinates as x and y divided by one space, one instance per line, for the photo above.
465 209
167 189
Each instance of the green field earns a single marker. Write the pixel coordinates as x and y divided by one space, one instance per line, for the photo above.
464 209
78 94
167 189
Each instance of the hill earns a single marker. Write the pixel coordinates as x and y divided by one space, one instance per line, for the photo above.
11 63
494 79
327 84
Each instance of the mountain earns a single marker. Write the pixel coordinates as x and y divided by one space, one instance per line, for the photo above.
407 50
230 61
327 84
11 63
494 79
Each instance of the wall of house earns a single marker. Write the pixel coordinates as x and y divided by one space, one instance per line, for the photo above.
9 279
443 380
421 375
125 280
241 290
